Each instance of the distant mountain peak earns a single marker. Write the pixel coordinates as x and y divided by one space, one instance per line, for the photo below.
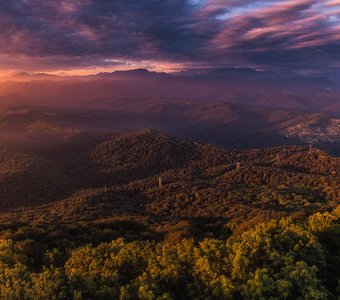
26 75
148 131
140 70
132 73
21 74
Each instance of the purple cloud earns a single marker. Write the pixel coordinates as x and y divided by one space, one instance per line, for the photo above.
57 35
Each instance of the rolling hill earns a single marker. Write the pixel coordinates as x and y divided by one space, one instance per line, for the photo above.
224 124
93 176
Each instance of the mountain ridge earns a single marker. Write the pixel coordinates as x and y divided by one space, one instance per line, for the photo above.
124 160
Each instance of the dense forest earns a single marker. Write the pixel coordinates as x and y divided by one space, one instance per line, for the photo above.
146 215
276 260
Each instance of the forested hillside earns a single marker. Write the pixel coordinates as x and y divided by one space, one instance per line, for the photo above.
147 215
194 175
274 260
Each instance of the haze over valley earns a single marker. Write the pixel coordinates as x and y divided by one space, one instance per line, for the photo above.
235 108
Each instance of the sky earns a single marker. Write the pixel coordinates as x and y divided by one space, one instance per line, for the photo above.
90 36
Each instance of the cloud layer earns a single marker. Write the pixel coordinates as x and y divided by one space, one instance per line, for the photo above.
56 35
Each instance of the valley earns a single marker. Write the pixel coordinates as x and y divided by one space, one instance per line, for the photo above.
169 150
176 187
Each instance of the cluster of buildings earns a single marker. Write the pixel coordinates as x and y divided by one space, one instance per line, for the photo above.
312 133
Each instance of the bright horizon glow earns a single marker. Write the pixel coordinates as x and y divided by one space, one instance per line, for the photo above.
154 67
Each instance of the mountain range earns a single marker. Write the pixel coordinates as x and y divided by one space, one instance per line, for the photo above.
238 86
224 124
